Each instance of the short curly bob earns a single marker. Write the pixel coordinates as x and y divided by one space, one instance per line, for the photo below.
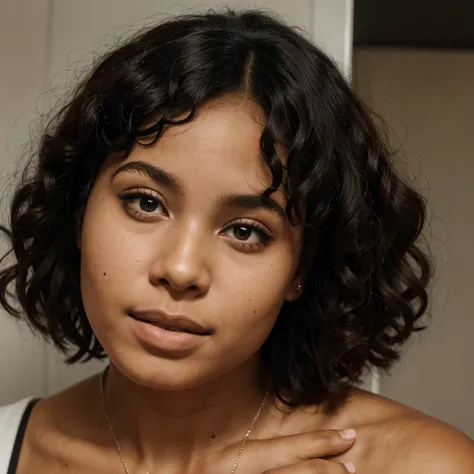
366 283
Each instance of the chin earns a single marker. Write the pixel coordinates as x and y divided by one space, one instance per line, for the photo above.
161 374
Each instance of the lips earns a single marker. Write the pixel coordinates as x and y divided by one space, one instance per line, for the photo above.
171 322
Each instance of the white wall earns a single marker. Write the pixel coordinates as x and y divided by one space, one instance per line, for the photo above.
427 97
43 45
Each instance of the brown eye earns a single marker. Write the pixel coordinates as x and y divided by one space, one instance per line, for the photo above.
242 232
148 204
142 205
248 237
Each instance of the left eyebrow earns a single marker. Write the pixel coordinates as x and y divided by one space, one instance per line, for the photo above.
253 202
159 176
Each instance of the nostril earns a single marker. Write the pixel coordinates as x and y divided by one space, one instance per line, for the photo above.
177 286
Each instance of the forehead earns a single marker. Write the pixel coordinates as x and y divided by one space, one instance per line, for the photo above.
219 148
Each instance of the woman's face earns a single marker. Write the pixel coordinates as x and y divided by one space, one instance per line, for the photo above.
184 269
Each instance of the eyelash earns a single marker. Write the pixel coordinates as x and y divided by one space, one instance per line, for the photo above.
265 236
128 197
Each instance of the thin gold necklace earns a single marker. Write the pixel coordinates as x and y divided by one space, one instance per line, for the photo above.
119 449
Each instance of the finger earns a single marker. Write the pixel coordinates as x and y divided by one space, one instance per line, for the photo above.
287 450
315 466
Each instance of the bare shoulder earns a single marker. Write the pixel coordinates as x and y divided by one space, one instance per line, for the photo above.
63 429
394 438
436 448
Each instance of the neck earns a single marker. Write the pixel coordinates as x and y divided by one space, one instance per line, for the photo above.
181 427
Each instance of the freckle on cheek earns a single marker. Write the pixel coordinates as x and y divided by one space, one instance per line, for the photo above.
105 273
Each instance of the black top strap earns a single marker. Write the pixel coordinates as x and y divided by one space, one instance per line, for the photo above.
19 437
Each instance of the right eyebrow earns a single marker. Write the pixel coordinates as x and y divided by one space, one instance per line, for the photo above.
254 202
159 176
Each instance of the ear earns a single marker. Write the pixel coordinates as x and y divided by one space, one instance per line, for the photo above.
295 290
296 286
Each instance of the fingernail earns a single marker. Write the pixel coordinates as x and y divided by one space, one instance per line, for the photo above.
350 467
348 434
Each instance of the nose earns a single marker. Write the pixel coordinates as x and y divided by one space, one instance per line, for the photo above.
182 262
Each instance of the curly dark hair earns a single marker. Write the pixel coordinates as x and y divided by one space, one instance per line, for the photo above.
365 290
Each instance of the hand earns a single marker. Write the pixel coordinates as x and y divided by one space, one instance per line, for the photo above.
301 453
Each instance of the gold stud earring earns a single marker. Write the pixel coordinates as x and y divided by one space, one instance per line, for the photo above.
299 288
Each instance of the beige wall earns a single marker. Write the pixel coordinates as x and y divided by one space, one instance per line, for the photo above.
23 55
427 97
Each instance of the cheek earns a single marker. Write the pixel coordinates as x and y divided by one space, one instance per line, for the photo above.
110 257
247 318
254 303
